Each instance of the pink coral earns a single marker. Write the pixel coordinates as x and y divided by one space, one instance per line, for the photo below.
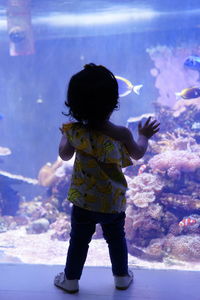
171 75
186 202
174 162
61 228
185 247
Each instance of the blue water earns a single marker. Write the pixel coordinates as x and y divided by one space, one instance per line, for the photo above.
128 37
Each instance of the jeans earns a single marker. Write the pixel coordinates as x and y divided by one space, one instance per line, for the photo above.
83 226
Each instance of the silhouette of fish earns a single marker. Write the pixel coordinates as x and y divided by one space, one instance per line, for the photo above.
189 93
193 62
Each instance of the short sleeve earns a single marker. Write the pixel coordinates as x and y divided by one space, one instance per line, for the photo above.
92 142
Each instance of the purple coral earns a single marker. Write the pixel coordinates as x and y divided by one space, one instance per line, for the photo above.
169 63
175 162
186 247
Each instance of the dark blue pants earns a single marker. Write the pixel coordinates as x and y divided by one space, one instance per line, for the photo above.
83 226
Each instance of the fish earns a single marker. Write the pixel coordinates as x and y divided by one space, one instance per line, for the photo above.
192 62
126 87
141 169
187 221
4 151
189 93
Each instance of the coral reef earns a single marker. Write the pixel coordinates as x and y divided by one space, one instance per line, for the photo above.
169 63
61 228
160 196
175 141
174 162
143 188
151 253
7 223
155 211
184 247
177 201
183 106
141 199
33 210
9 197
168 191
142 229
38 226
143 224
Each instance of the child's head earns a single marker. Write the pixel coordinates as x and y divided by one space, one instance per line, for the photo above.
92 95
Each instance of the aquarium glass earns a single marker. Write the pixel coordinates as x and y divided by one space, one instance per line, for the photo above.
153 49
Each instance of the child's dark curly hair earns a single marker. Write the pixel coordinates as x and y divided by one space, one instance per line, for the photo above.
92 95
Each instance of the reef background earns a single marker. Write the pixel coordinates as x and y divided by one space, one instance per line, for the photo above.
34 209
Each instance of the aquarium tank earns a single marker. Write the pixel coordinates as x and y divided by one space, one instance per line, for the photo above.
153 49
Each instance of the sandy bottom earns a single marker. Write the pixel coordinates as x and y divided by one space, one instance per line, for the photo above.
16 246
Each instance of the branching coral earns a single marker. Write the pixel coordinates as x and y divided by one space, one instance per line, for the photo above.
176 138
175 141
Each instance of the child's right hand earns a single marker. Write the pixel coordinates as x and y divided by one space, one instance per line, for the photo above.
149 129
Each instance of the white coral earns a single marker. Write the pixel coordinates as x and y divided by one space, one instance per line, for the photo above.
143 188
146 183
143 199
155 211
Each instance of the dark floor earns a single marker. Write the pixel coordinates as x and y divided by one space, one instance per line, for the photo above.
28 282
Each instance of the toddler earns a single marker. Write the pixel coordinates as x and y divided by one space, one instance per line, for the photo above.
98 185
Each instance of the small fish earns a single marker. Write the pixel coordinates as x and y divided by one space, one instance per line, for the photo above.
187 221
189 93
193 62
4 151
141 169
126 87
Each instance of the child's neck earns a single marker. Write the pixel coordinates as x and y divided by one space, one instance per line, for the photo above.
105 124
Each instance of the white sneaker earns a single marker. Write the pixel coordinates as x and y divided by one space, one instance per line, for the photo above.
70 286
123 282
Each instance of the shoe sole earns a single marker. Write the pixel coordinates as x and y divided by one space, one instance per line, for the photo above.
125 287
68 291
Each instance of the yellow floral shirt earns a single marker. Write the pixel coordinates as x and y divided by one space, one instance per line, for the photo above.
97 183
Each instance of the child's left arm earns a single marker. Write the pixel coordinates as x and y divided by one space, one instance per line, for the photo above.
66 150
